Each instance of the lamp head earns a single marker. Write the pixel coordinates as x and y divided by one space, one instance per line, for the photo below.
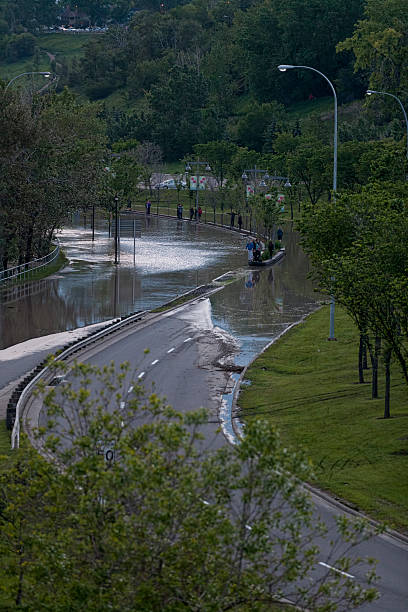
208 168
285 67
266 176
244 176
46 74
188 167
369 92
288 183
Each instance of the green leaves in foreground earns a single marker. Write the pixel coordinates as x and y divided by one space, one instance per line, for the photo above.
160 522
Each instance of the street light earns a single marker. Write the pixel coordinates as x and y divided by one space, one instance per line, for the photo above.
188 169
284 68
116 229
386 93
45 74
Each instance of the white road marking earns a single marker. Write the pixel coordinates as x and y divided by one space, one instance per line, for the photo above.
171 350
187 339
155 361
130 389
141 375
122 405
335 569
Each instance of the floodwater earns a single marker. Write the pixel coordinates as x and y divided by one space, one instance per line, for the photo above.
264 302
168 259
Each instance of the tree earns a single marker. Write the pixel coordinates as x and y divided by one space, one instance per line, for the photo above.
379 43
358 249
51 157
219 155
311 164
134 512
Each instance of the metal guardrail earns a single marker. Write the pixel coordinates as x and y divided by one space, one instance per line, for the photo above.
70 350
24 270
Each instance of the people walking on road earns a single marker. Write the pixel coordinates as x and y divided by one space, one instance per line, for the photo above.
250 248
232 218
240 221
200 212
148 207
191 213
257 250
179 211
270 248
279 234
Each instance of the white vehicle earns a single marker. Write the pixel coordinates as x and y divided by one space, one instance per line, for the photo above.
170 184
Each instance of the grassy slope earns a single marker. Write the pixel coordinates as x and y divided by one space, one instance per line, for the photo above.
309 388
62 45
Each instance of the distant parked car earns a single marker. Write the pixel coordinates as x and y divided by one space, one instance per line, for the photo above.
170 184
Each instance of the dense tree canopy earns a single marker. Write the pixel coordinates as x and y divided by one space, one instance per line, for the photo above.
167 524
51 160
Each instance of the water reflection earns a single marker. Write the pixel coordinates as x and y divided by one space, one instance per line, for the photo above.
257 308
170 257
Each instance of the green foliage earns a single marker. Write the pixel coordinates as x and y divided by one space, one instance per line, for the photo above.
51 157
379 45
358 248
20 46
168 524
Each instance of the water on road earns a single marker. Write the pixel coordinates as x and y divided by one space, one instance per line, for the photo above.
169 258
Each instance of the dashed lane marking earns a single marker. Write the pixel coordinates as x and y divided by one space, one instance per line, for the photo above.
155 361
141 375
334 569
171 350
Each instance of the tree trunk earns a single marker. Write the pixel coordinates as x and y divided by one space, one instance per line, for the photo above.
360 359
387 363
29 243
365 345
374 380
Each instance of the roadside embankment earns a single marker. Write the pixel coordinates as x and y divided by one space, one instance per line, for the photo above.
309 388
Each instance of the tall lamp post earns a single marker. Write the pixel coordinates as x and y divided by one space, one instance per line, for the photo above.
198 164
45 74
284 68
116 229
386 93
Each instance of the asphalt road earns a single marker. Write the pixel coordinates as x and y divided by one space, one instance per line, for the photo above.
184 349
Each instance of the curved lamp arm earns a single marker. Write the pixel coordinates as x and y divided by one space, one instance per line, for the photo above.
46 74
385 93
283 68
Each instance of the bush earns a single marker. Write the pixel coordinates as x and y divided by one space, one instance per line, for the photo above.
19 46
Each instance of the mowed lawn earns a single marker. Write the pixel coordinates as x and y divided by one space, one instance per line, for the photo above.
309 388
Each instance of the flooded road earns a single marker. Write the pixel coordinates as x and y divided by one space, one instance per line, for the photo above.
170 258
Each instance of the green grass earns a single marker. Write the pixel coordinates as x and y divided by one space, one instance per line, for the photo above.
309 388
306 108
63 45
51 268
